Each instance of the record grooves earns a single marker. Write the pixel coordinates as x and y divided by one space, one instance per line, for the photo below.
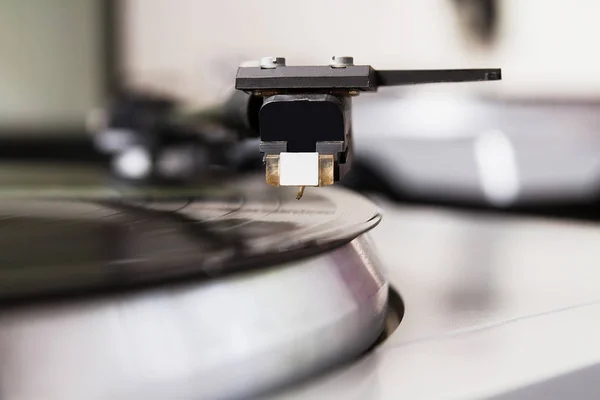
69 244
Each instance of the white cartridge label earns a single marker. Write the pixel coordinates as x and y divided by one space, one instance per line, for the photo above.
299 169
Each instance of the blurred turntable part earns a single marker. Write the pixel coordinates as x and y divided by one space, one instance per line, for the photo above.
500 153
479 18
150 136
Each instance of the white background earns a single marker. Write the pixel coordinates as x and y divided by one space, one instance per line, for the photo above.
546 48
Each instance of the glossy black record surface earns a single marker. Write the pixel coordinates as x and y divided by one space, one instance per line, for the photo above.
59 240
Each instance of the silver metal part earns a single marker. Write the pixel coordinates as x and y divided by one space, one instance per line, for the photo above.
272 62
332 147
224 338
115 141
133 163
341 61
272 147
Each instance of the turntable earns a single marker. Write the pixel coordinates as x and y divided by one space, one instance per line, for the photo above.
181 293
220 286
225 289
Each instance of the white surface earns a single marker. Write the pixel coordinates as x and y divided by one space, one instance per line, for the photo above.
299 169
492 304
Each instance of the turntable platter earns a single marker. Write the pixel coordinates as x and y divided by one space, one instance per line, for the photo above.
224 292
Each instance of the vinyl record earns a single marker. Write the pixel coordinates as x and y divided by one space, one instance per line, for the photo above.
65 241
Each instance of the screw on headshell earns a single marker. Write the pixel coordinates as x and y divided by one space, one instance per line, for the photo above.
272 62
341 62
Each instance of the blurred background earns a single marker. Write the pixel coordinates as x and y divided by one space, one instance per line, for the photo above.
55 57
140 91
54 65
530 140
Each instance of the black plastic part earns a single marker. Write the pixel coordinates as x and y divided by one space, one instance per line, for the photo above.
240 112
356 77
411 77
303 120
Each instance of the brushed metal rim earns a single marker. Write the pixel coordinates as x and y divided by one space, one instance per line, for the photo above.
236 336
